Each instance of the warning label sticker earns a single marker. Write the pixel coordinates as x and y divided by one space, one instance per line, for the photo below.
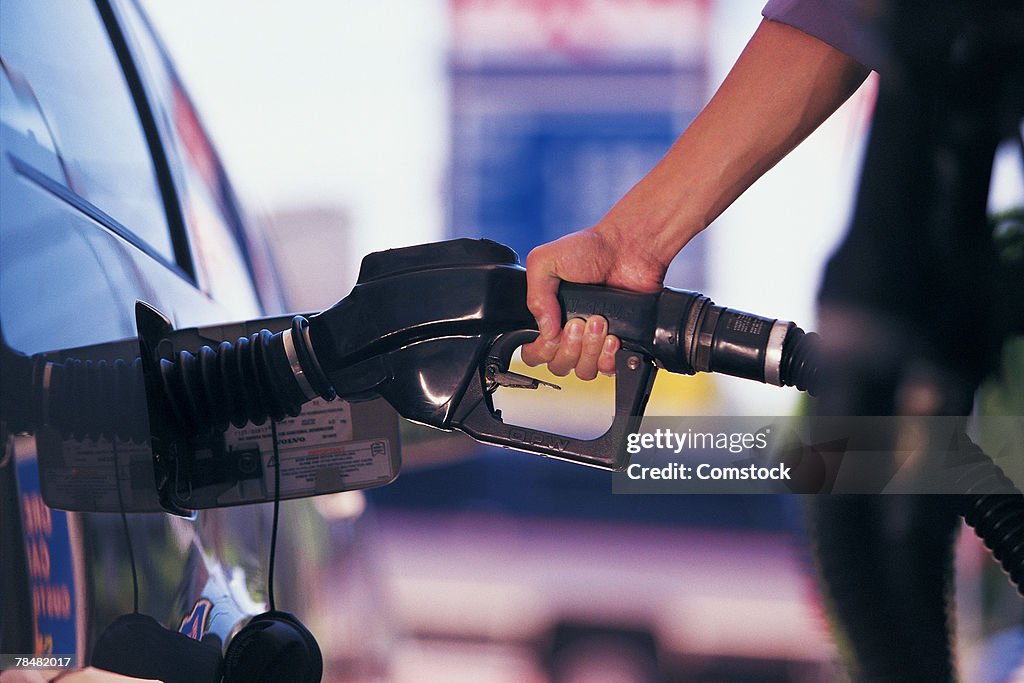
80 475
317 453
330 469
321 451
319 423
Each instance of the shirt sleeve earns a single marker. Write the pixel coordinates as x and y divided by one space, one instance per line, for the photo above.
836 22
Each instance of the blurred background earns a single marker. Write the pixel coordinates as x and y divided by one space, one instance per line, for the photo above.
351 127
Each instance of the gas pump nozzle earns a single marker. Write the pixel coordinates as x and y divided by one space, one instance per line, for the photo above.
432 329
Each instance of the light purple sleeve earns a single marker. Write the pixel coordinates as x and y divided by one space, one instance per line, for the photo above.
840 23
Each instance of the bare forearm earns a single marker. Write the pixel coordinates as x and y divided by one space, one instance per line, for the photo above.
783 86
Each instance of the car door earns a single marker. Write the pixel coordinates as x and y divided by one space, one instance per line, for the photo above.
110 192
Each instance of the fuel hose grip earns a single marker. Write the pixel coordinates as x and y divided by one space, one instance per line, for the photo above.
686 332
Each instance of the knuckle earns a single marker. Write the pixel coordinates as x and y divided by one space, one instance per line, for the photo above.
536 354
536 302
536 257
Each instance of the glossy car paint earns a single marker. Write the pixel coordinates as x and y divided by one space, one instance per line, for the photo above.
70 274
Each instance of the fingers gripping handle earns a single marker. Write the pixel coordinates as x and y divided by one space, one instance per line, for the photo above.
634 379
631 316
661 326
685 332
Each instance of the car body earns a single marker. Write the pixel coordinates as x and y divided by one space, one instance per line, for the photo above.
111 192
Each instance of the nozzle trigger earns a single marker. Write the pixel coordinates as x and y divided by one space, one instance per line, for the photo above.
496 377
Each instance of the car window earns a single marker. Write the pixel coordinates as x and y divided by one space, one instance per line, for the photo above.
62 51
214 225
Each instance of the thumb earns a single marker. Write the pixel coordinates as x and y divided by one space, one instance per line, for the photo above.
542 294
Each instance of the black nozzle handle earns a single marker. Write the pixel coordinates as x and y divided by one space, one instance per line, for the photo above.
655 324
685 332
631 316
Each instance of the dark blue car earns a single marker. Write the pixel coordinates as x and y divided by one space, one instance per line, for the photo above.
111 192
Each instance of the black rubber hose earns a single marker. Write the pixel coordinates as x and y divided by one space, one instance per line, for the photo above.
247 381
800 357
997 518
89 400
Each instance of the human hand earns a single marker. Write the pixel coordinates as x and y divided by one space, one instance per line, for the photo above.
783 86
591 256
